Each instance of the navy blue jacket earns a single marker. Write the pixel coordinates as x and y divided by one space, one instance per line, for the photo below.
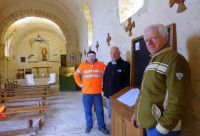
116 77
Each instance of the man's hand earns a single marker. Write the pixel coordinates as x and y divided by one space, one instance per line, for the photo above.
82 85
133 121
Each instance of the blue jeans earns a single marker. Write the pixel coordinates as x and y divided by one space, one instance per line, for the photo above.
154 132
108 104
88 101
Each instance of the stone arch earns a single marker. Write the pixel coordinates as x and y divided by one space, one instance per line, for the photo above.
7 21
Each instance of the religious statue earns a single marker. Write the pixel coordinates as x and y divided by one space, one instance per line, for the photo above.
44 53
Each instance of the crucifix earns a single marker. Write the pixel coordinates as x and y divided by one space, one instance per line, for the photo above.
181 5
97 45
129 27
108 39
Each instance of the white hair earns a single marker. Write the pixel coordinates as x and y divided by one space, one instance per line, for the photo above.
161 29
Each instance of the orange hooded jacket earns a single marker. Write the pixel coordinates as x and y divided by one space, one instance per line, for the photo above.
91 75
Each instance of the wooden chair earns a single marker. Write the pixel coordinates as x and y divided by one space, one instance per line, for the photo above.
52 78
30 80
20 73
28 71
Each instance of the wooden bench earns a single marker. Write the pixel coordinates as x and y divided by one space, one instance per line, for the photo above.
24 103
10 83
28 117
25 89
25 109
43 96
24 92
40 98
32 127
31 131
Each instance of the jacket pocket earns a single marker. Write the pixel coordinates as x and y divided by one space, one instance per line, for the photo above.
155 112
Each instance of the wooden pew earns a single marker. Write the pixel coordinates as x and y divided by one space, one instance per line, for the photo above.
36 94
25 109
26 97
32 128
31 131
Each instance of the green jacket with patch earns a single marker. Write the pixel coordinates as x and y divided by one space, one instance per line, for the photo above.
164 95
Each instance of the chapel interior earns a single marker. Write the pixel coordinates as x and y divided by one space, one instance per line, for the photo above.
42 37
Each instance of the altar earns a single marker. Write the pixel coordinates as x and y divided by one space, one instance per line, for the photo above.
38 72
38 81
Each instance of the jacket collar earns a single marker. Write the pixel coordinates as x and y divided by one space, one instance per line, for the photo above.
118 61
161 51
93 63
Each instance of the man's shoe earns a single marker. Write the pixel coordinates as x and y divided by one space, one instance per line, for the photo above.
104 130
87 130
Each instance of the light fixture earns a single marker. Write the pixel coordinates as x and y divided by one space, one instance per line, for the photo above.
39 39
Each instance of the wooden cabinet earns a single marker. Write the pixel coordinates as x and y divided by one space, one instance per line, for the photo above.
66 79
121 117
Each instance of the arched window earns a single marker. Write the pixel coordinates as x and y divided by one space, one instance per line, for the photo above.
7 45
127 8
88 18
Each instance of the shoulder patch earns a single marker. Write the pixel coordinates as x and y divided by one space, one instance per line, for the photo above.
179 76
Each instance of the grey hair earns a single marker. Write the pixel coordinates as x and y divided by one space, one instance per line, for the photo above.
161 29
116 48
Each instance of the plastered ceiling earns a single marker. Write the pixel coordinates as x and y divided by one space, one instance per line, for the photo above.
67 14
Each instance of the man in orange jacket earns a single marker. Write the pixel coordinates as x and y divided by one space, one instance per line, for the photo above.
89 77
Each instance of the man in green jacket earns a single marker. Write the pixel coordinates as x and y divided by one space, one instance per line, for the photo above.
164 96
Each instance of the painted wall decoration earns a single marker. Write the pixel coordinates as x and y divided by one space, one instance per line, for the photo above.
181 5
108 39
97 45
23 59
72 57
129 27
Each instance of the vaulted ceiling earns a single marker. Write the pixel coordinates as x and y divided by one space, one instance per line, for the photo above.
67 14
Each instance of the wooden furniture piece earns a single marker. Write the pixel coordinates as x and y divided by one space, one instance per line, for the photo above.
32 128
28 71
15 97
66 79
121 117
38 70
20 73
17 108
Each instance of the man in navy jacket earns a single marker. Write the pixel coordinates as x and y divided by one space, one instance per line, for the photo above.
116 77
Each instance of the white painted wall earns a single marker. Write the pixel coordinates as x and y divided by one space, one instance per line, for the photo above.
106 20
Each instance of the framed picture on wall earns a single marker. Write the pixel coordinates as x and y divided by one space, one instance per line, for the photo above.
23 59
72 57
